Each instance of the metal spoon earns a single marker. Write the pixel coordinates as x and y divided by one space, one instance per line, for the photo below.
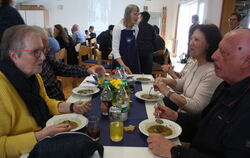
150 90
157 117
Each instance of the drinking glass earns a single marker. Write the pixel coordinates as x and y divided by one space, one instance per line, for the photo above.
93 127
116 125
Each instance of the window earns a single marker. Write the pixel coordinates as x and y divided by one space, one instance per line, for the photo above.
184 22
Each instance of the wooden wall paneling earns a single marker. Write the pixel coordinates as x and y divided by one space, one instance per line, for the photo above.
228 7
175 33
164 19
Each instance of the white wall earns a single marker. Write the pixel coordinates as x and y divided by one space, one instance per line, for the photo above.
102 13
213 11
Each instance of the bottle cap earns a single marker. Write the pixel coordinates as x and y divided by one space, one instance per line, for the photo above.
122 66
106 83
122 85
117 68
124 80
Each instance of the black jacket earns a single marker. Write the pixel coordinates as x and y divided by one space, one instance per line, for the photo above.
146 37
222 131
9 16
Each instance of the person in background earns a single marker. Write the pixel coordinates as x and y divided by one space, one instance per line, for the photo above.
53 44
221 130
234 21
91 32
9 16
77 35
105 42
124 46
199 83
159 51
195 22
146 38
25 107
61 36
71 52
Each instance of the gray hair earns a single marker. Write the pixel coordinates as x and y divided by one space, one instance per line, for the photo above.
129 9
14 39
49 31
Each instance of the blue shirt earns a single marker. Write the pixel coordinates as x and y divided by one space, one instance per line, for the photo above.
53 47
78 37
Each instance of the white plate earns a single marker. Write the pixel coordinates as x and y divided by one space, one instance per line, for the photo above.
149 81
145 124
79 119
139 93
95 90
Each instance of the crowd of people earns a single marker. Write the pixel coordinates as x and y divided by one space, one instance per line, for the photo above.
209 98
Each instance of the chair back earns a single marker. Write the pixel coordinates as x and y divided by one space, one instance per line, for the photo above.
98 55
83 52
61 55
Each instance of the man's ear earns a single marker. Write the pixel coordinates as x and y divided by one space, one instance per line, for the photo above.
13 55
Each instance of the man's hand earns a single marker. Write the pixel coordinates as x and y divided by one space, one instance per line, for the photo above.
97 69
165 112
159 145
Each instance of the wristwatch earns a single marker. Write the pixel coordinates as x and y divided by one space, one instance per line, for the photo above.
71 107
176 151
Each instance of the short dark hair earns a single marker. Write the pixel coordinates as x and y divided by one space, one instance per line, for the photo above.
237 15
91 27
145 16
195 17
213 37
111 27
156 28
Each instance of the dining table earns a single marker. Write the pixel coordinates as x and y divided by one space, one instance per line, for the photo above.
133 144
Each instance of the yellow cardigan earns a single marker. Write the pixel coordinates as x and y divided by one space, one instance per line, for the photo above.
17 126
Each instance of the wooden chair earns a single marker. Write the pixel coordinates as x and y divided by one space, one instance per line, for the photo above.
100 61
61 55
85 52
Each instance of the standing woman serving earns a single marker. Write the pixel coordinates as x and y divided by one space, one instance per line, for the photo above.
124 44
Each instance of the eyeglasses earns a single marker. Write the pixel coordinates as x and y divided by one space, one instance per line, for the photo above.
230 19
36 53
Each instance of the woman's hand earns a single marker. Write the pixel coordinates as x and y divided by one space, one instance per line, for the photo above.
159 145
165 112
166 68
81 107
52 130
160 85
127 70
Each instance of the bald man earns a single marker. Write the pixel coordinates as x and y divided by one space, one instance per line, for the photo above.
77 35
222 130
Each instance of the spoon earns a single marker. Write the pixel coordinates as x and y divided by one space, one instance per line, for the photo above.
150 90
157 117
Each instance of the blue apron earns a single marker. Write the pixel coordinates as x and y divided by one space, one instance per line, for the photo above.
128 51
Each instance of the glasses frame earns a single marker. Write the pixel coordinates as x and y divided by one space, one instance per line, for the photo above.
36 53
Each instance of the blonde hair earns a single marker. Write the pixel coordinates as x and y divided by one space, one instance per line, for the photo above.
127 14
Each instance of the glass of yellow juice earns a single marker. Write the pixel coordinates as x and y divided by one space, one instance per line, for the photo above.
116 131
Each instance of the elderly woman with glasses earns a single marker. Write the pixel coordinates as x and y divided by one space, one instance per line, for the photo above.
24 104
